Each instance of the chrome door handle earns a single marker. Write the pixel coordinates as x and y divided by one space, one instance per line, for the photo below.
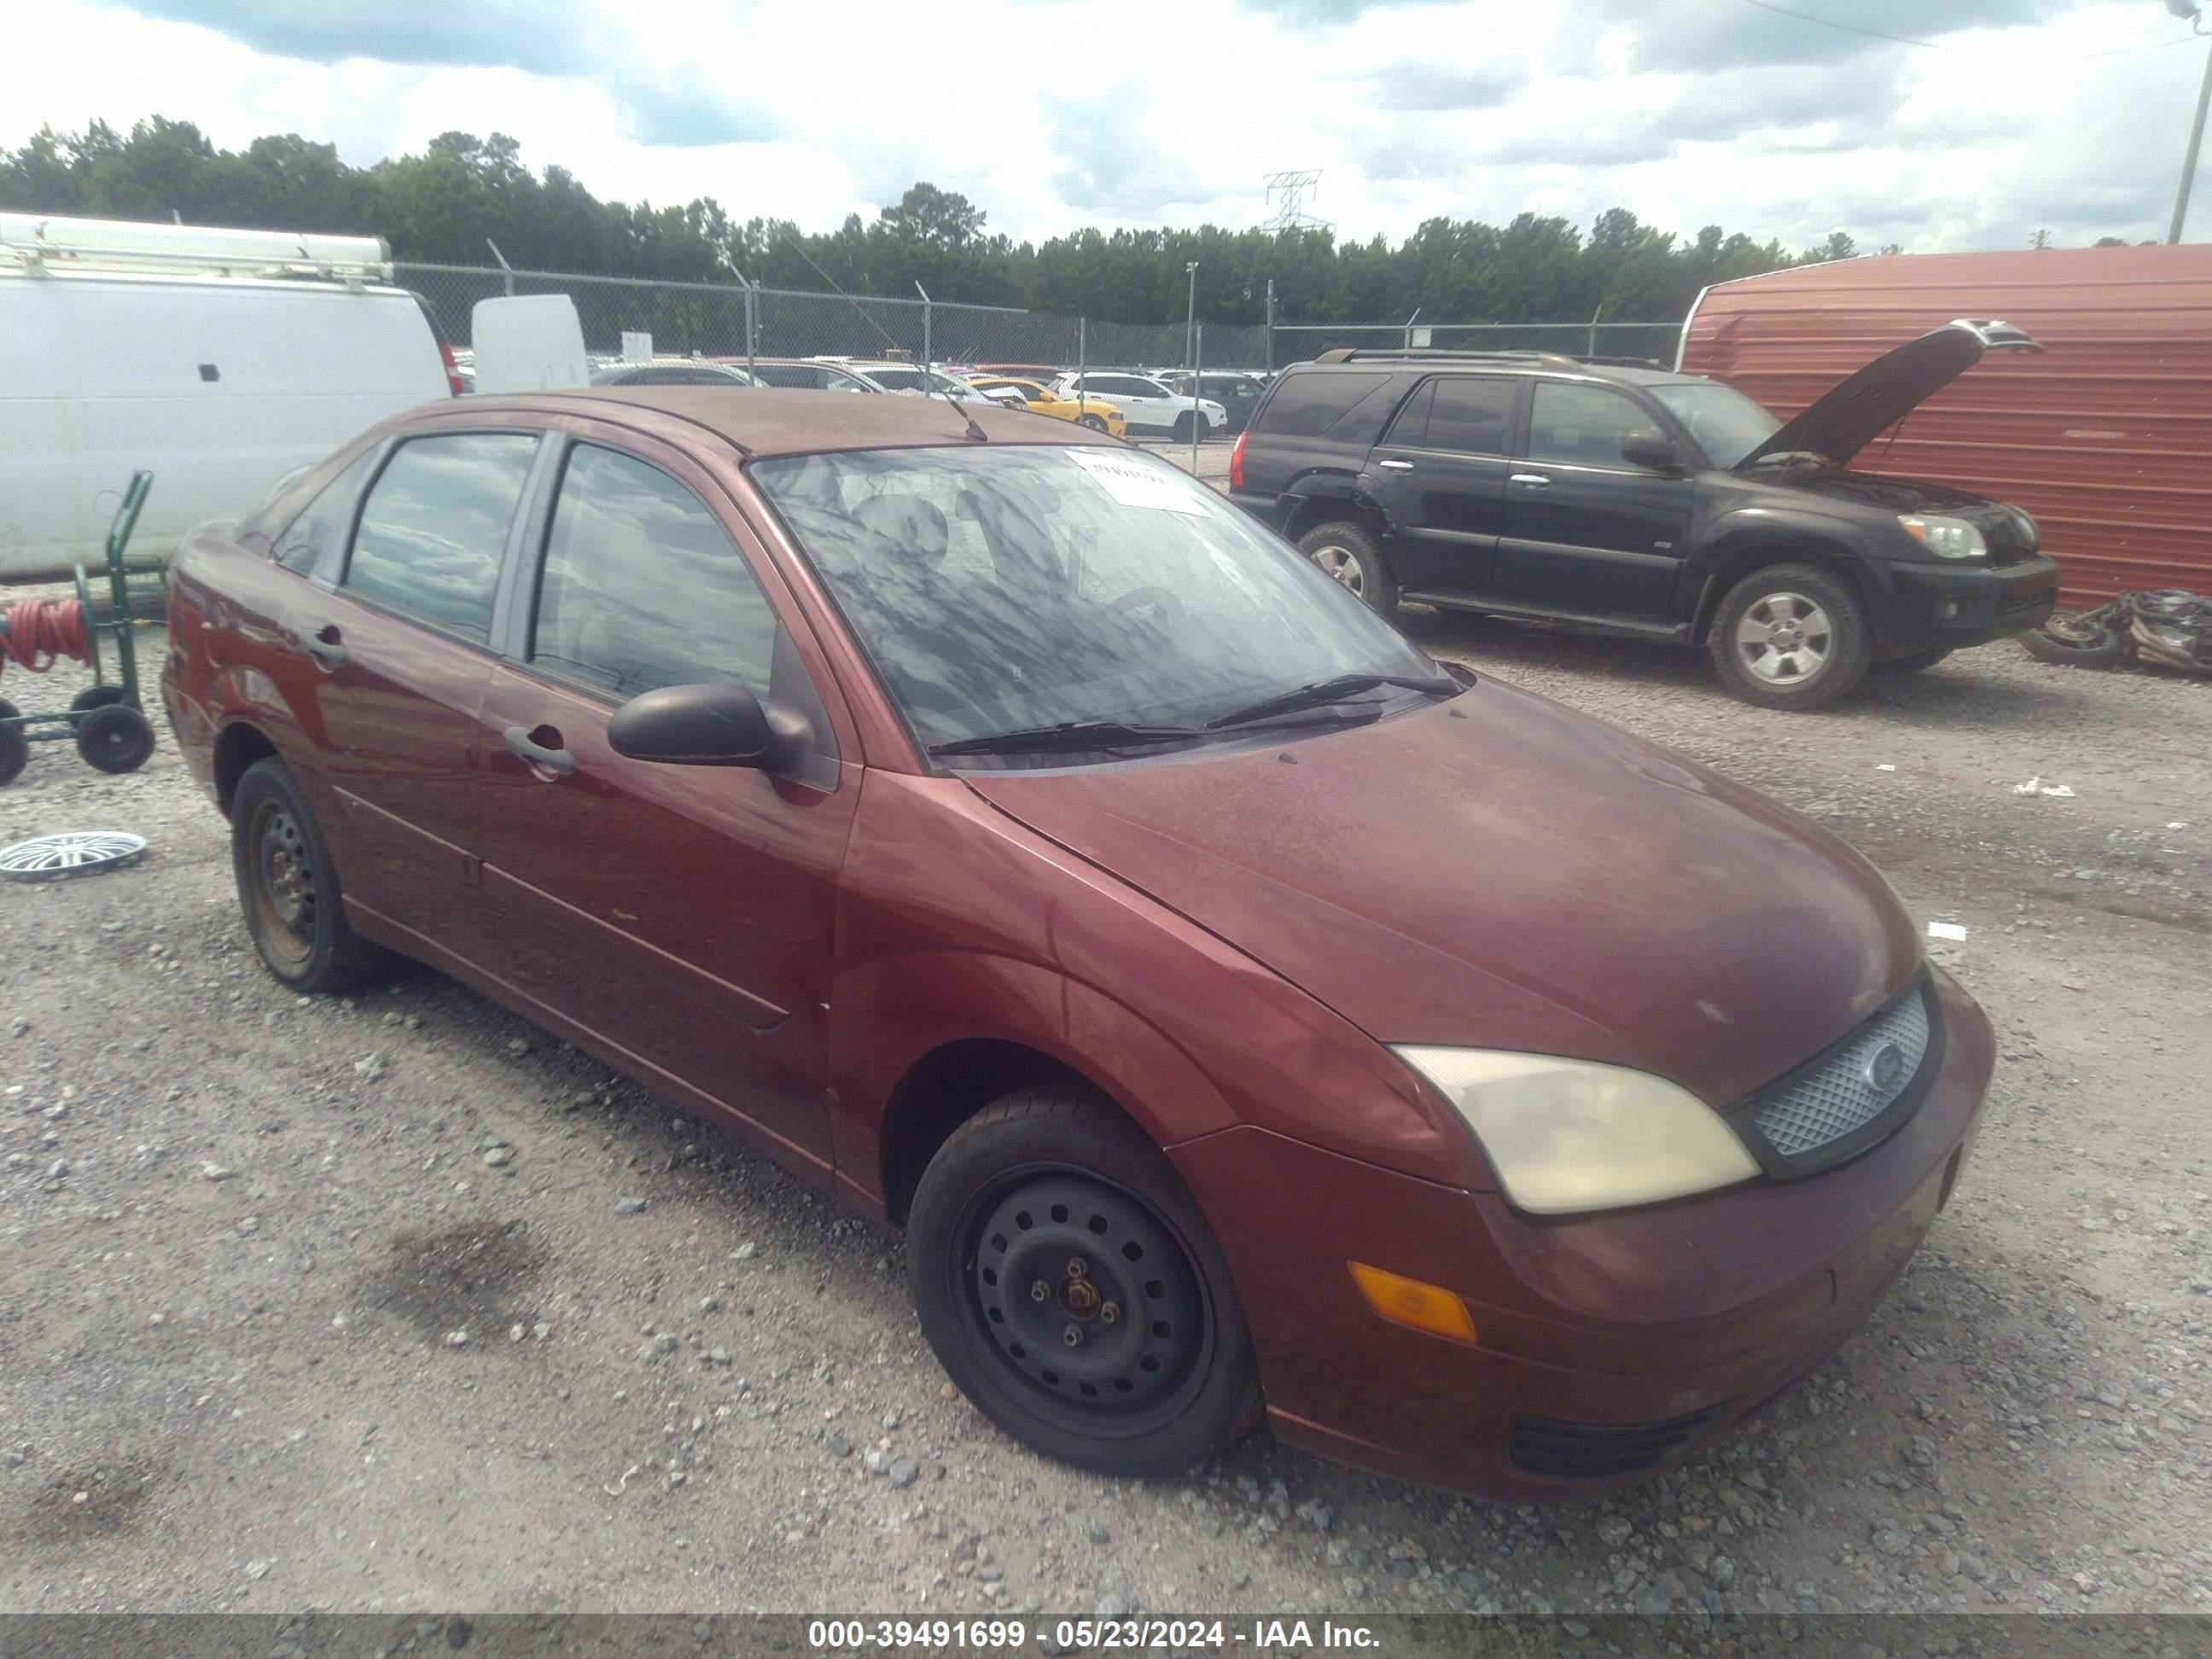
557 761
324 646
1535 478
1395 466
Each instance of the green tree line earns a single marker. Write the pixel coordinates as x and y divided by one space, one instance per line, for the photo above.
462 192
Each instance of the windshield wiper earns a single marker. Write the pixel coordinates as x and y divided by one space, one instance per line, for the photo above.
1071 735
1321 692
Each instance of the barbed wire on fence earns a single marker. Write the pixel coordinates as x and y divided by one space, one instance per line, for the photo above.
732 320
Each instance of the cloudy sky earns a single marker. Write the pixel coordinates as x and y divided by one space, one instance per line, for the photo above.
1054 113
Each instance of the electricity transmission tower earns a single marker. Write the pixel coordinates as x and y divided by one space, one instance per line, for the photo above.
1286 194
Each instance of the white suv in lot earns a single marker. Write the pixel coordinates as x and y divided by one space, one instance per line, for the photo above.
916 382
1150 406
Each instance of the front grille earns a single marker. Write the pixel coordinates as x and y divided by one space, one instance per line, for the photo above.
1851 1086
1589 1451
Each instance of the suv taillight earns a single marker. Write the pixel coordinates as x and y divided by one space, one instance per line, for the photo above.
453 369
1236 460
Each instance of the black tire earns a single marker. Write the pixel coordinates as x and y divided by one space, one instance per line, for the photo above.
1831 650
2102 648
1351 553
114 737
15 746
96 697
1181 429
1109 1227
1095 423
1911 663
287 887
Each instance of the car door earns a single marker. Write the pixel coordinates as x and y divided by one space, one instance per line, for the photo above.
683 916
1586 531
399 649
1439 474
1143 403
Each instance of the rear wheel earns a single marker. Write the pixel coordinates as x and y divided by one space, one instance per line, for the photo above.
288 888
1791 637
1350 552
1068 1283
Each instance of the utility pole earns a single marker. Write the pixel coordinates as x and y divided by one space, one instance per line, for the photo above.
1190 320
2185 9
1271 325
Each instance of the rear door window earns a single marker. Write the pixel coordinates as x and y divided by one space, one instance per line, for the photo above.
643 588
1472 416
434 527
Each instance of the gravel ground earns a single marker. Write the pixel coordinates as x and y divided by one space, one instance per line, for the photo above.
396 1304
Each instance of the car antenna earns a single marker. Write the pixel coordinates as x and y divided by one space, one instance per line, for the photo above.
974 431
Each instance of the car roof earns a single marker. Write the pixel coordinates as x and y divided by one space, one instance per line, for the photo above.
766 421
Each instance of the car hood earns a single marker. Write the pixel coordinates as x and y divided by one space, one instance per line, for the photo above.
1847 418
2009 532
1499 872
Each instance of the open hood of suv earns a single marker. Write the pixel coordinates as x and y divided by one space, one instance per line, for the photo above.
1840 424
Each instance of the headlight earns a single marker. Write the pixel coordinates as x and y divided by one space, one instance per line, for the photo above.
1567 1135
1947 538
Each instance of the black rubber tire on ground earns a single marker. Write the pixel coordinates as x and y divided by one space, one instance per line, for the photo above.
96 697
1845 658
1040 1145
14 747
1331 545
2108 649
1183 428
322 954
1911 663
1095 423
114 737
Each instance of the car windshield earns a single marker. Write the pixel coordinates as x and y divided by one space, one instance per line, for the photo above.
1727 425
1009 588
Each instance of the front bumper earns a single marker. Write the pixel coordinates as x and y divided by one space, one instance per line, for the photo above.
1607 1346
1933 607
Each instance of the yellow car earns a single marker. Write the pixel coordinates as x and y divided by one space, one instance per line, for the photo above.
1094 412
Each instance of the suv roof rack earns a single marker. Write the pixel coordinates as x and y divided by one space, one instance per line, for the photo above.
43 243
1423 354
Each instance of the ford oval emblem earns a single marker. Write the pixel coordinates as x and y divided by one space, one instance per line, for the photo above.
1885 1068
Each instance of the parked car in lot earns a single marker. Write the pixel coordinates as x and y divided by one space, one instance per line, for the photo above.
672 371
1040 399
916 381
1146 403
1239 1010
804 375
1649 504
1238 394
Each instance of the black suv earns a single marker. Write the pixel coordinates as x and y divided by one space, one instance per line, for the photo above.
1629 499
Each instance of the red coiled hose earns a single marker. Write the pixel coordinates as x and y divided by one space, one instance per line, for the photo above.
33 632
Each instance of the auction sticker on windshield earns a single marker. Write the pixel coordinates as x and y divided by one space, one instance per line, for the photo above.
1138 482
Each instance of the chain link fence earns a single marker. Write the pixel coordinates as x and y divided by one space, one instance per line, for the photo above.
732 320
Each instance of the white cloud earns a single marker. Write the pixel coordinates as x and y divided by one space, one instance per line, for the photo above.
1057 114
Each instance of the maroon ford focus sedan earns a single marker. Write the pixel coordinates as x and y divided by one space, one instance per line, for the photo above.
1242 1013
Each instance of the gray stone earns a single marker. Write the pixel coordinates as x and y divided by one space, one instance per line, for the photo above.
903 1471
628 1206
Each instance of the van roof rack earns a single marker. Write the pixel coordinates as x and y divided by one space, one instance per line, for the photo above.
42 244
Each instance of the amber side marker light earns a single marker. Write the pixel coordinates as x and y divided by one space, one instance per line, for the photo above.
1408 1302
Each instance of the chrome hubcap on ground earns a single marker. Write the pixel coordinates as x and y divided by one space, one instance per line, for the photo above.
1784 638
69 853
1342 563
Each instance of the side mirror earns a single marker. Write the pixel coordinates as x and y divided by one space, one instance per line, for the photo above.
1650 447
716 724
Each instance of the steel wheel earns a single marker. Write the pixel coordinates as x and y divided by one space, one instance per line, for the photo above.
1784 638
283 881
1342 563
1088 1299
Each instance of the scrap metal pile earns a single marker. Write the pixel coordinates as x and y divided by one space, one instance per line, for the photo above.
2169 626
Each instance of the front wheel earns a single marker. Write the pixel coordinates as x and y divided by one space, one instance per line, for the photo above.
1095 423
1071 1290
1791 637
1183 428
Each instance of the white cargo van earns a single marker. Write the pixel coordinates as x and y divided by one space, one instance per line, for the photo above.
221 359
